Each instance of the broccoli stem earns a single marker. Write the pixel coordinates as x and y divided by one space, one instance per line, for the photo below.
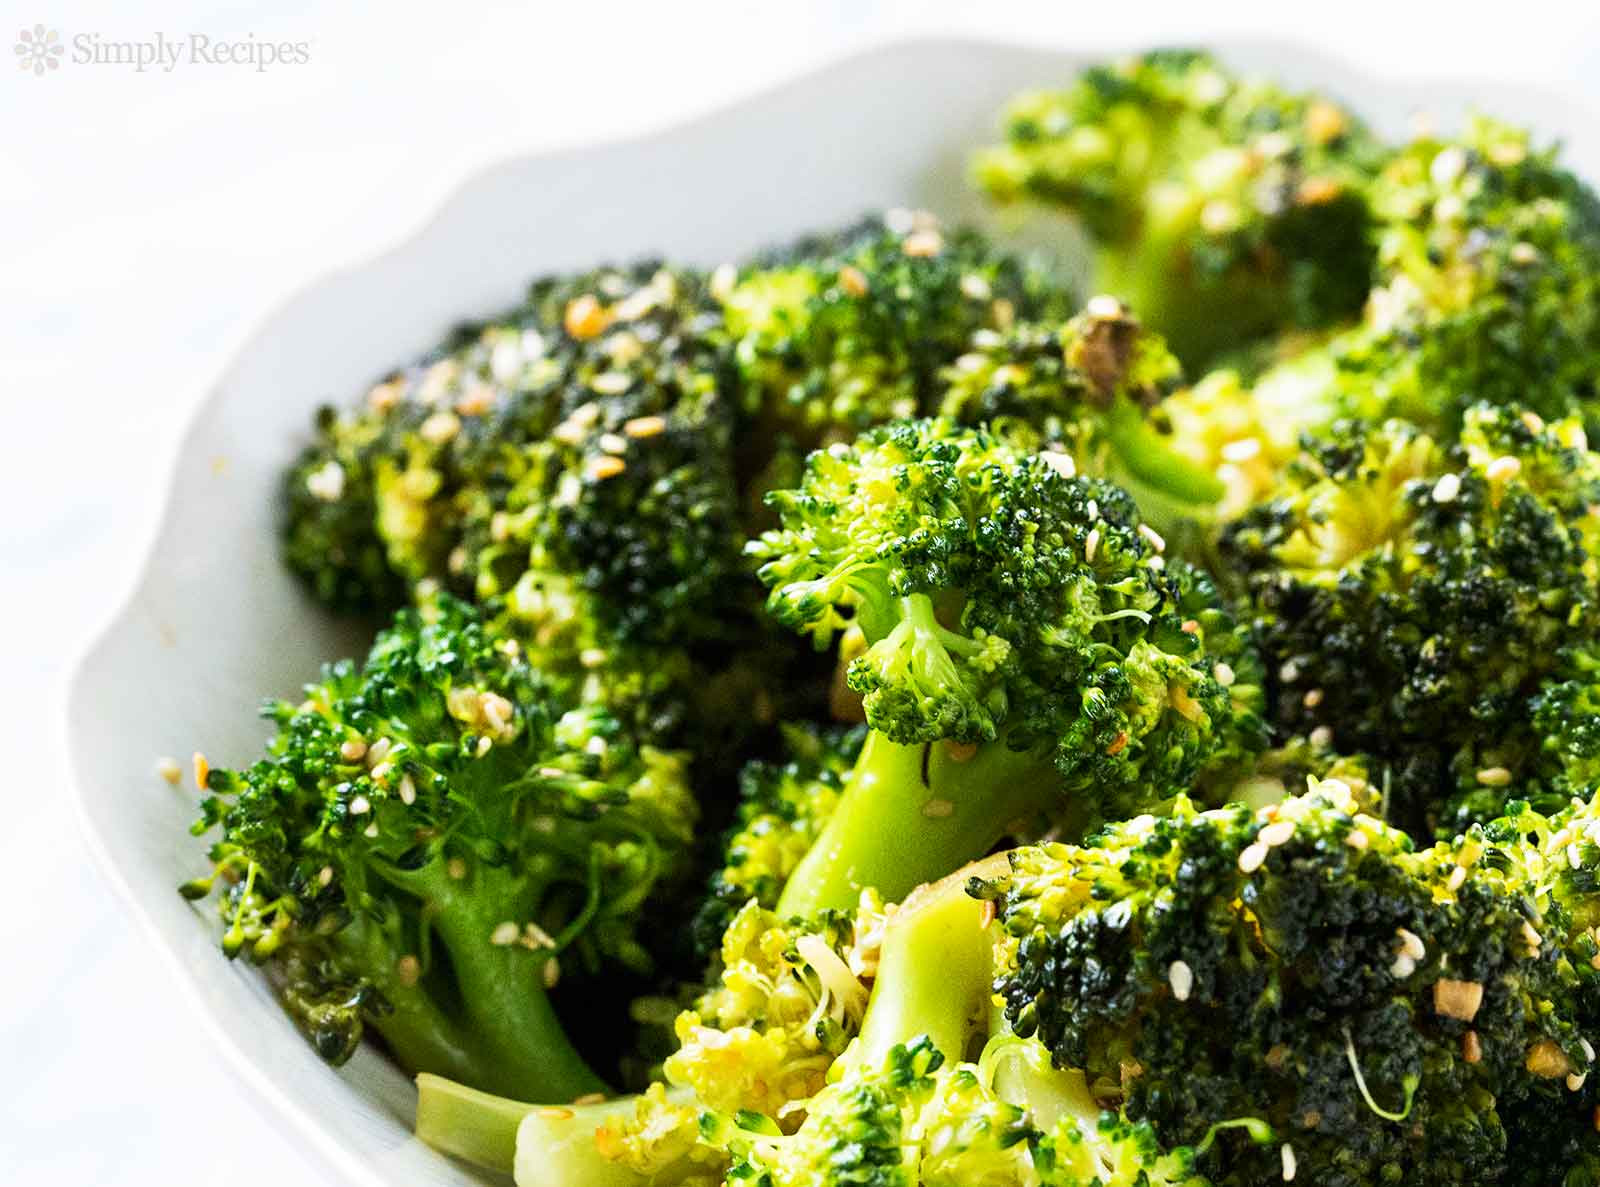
1152 461
935 970
508 1038
910 814
476 1126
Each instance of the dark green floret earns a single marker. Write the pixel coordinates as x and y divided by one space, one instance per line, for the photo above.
432 840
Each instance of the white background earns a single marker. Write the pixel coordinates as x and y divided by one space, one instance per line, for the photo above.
147 221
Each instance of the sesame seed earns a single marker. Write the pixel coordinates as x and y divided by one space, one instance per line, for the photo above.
360 806
408 790
1289 1166
1322 737
1181 977
1402 967
1503 468
1533 421
439 428
602 468
1118 744
1312 699
1575 1081
853 281
584 317
1533 939
456 867
505 934
1524 254
534 936
1289 672
590 1098
202 770
408 970
1104 307
986 914
1587 1048
371 830
1241 450
326 482
938 809
1494 776
645 426
613 443
556 1113
1411 944
169 770
353 750
378 751
325 876
723 279
1157 563
1189 626
923 244
1224 674
1154 537
975 287
1457 879
611 383
484 744
1061 463
637 303
477 400
1574 856
1091 544
1447 488
1219 216
1280 832
552 972
1251 858
382 770
1471 1047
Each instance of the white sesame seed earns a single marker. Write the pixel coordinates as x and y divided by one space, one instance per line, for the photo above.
1157 563
1154 537
1103 307
1251 857
505 934
611 383
169 770
484 743
534 936
1061 463
378 751
552 972
1289 672
1503 468
326 482
613 443
1494 776
1181 977
1241 450
1588 1049
938 809
360 806
922 244
1322 737
324 875
1289 1165
1278 833
371 830
1574 856
439 428
1524 254
1411 944
1402 967
1457 879
1357 840
1312 699
1447 488
1533 938
1091 544
408 790
353 750
1224 674
382 771
1576 1080
1448 164
975 287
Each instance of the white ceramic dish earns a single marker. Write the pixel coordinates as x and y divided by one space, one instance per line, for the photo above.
214 625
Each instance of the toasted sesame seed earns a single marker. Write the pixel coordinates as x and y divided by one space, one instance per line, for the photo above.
1189 626
456 867
1447 488
1289 1165
1280 832
439 428
923 244
637 303
1091 544
326 482
1460 1000
723 279
353 750
602 468
1224 674
1494 776
504 934
1118 744
169 770
1322 737
645 426
476 400
585 317
382 771
202 770
938 809
408 970
1312 699
385 395
552 972
1503 468
1471 1047
1181 977
1524 254
986 913
853 281
590 1098
556 1113
1532 421
378 751
1104 307
1251 857
1576 1080
1153 536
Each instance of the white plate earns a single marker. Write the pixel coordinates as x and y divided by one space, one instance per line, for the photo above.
214 625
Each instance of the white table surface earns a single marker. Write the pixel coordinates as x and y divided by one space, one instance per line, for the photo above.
148 220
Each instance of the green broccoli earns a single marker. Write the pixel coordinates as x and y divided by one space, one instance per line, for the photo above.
431 841
1432 609
1028 651
1392 1015
1221 208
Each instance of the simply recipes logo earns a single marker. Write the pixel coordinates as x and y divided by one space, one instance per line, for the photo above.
41 50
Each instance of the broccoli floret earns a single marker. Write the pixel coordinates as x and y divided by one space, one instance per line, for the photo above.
1488 258
1091 387
431 841
1391 1014
1026 651
1221 208
841 332
782 808
1425 607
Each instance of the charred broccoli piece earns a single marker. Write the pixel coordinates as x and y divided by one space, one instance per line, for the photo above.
432 839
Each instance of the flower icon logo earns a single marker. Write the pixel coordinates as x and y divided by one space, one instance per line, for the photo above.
39 49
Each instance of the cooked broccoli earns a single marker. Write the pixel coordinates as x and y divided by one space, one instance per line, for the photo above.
1028 651
1432 608
1221 208
1392 1015
431 840
1091 387
1488 284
